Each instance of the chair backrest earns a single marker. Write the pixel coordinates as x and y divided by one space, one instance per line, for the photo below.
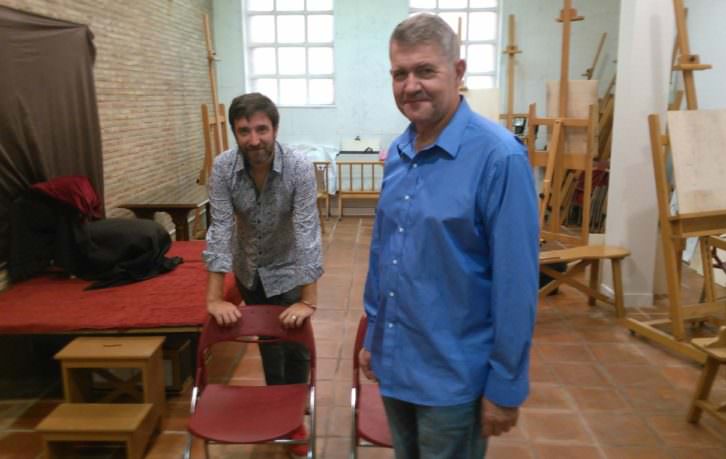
321 175
256 321
359 337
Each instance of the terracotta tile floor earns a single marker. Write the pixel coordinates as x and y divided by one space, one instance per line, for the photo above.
597 391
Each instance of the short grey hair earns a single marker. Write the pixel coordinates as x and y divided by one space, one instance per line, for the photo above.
426 28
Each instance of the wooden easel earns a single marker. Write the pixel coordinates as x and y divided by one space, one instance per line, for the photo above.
687 62
675 229
560 156
705 224
511 51
555 159
213 128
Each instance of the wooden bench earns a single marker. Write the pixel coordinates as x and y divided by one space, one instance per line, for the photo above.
577 260
130 424
358 180
715 350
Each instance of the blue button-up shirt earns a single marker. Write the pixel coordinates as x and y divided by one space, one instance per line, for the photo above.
452 282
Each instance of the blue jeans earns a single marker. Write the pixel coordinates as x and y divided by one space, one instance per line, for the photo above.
435 432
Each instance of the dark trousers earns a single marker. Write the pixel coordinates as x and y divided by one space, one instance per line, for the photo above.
284 363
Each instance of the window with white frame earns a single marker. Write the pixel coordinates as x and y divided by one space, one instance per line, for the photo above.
477 23
290 50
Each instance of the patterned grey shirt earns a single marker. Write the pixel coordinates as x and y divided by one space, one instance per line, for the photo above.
277 231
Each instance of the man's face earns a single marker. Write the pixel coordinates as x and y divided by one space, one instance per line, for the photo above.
425 82
256 138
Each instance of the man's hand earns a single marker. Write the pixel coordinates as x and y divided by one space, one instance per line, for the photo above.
295 314
364 361
496 420
224 312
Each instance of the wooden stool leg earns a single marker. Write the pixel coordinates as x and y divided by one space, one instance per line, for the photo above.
703 389
594 280
618 289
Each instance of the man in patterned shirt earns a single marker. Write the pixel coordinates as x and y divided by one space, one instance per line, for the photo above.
265 229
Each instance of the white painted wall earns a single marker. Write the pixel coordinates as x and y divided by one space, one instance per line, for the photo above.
364 103
647 30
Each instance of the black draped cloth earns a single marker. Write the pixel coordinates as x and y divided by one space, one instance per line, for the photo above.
49 124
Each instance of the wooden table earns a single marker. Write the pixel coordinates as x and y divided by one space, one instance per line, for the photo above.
175 200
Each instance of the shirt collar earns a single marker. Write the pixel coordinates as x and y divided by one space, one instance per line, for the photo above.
449 139
276 161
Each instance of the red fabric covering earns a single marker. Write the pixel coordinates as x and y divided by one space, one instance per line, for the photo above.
48 304
74 191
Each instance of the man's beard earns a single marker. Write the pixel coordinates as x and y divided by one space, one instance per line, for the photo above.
261 155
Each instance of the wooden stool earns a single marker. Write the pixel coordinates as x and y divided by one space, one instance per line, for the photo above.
715 349
131 424
585 256
85 357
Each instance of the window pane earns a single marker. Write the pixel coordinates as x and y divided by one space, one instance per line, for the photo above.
263 61
320 61
482 26
320 28
262 29
321 92
480 82
453 20
462 51
482 3
267 86
480 58
320 5
452 4
423 3
259 5
292 91
291 61
290 5
291 29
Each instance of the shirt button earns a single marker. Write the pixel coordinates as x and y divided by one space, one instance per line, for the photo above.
390 325
407 197
395 262
400 229
415 166
391 294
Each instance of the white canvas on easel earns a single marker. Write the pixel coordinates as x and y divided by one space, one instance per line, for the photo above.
581 95
484 102
698 149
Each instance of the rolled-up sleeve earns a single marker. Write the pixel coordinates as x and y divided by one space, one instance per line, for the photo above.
218 253
308 256
512 229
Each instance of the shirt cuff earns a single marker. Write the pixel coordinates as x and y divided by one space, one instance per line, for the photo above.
506 392
309 274
217 263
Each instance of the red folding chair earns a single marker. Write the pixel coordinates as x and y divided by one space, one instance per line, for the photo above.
224 413
370 425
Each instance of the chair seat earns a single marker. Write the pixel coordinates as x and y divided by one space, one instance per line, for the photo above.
249 414
372 421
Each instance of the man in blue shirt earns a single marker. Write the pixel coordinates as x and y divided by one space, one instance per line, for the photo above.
452 282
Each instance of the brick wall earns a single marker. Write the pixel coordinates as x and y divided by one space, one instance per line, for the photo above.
151 78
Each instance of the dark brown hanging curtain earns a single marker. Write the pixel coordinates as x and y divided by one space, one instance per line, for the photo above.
48 114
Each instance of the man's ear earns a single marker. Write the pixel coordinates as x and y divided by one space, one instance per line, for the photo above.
460 68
